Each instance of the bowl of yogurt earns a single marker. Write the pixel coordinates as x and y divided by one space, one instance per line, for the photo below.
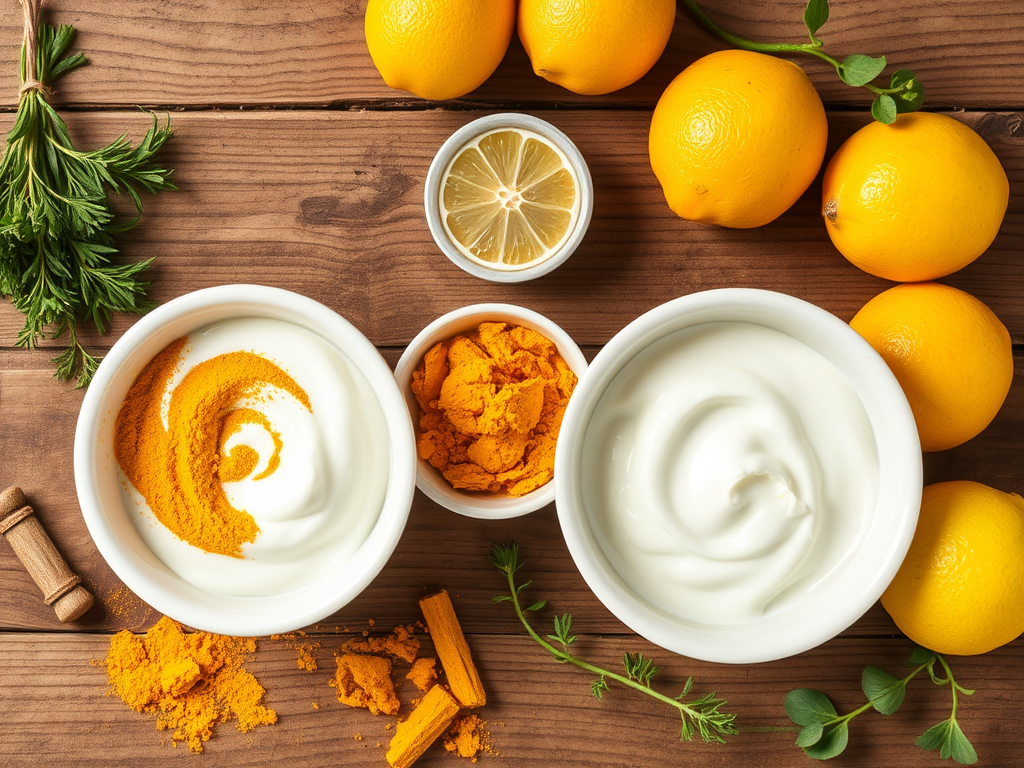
244 460
738 476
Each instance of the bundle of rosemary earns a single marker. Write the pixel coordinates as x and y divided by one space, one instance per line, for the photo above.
56 225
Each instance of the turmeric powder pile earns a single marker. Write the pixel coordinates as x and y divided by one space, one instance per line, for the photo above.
179 468
491 405
191 681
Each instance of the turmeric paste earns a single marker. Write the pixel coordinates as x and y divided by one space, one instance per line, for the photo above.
191 681
179 468
491 405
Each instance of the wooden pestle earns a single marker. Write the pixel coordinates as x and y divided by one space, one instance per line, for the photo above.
60 585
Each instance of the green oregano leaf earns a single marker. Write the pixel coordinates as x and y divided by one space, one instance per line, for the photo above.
950 741
806 705
858 69
884 691
815 16
911 97
810 735
919 655
883 109
832 742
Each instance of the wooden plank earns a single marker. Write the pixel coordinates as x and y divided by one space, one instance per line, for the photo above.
206 52
539 713
330 204
438 547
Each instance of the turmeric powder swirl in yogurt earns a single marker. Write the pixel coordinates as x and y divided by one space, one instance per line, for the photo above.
256 454
491 405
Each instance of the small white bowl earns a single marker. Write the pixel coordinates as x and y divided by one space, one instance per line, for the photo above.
444 157
862 577
486 506
99 491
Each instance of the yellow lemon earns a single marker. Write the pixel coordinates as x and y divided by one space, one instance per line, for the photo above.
509 199
914 200
736 138
960 589
594 46
438 49
949 352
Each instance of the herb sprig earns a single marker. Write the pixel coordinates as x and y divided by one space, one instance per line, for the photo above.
825 732
699 715
56 226
904 94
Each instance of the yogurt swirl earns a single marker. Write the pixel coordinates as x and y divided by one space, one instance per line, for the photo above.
729 468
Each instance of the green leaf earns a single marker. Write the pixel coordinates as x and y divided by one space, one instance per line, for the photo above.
884 691
883 109
810 735
815 16
909 99
858 69
919 655
536 606
598 687
832 742
950 741
806 705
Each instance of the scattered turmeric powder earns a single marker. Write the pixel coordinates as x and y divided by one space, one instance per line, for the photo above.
467 736
365 681
491 405
179 470
191 681
423 673
400 644
127 607
306 649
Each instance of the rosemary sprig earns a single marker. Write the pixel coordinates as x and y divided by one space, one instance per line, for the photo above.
699 715
56 226
825 732
904 94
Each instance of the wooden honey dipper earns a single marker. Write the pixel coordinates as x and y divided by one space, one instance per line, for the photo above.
60 585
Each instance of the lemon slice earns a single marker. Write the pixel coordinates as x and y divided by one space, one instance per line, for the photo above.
510 199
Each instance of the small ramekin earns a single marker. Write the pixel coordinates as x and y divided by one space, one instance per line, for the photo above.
861 578
99 492
444 157
485 506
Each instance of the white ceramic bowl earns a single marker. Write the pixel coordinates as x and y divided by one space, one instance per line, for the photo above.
99 492
444 157
861 578
480 505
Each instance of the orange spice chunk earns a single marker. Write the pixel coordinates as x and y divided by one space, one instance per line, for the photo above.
429 720
365 681
467 737
423 673
191 681
491 407
452 649
400 644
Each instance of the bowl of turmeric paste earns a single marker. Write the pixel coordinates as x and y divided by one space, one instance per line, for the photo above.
244 460
487 386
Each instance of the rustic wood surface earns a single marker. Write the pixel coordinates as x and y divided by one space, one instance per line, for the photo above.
324 196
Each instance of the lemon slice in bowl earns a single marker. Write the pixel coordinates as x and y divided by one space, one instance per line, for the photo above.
510 199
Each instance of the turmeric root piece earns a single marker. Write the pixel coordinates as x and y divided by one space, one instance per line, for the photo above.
423 673
452 649
365 681
432 717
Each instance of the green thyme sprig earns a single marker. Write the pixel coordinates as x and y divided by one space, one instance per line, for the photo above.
699 715
56 226
904 94
825 732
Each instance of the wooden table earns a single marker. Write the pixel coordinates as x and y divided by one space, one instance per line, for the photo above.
299 168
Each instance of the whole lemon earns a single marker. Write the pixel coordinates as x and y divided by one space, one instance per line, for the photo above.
949 352
438 49
914 200
960 589
594 46
736 138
